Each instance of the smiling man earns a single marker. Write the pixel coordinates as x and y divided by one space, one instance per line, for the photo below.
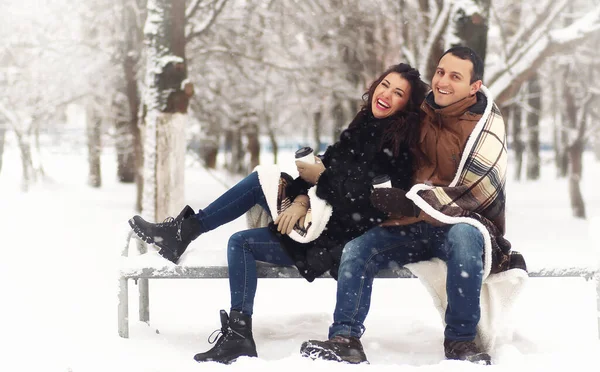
448 229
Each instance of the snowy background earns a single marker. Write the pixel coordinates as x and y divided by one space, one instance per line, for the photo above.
58 275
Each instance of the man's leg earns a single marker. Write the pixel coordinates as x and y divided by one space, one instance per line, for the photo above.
362 258
244 249
461 247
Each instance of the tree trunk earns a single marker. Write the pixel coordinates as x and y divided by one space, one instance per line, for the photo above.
28 175
94 137
166 104
317 131
125 146
533 128
253 145
576 157
272 139
468 26
514 117
129 145
210 150
575 152
339 118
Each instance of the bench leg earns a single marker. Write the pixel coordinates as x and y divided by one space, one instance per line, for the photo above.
123 308
144 300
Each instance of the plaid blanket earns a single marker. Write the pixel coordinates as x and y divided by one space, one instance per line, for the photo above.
476 195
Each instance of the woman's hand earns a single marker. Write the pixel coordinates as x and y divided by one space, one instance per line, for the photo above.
310 172
287 219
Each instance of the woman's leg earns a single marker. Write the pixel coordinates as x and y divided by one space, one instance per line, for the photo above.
233 203
244 249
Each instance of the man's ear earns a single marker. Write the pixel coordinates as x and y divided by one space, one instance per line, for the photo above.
475 87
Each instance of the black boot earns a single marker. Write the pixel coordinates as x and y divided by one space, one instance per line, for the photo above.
235 340
466 350
339 348
172 236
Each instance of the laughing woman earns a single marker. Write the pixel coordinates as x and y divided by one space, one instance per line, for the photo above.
379 141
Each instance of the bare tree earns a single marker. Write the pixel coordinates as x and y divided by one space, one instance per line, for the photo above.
166 101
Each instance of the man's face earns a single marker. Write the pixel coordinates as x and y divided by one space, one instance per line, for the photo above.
451 81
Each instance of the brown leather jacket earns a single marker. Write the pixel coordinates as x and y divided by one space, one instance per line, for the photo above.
444 134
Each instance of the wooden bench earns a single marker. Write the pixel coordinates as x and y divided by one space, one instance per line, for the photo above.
141 275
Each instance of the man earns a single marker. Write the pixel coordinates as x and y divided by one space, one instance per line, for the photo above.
453 214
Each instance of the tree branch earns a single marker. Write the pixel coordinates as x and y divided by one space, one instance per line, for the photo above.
218 6
437 29
525 61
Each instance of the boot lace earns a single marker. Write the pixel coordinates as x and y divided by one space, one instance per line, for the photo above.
221 335
172 222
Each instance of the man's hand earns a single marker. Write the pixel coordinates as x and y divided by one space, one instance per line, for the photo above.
394 201
310 172
287 219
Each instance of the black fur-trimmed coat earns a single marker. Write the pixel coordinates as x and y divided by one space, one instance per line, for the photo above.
351 164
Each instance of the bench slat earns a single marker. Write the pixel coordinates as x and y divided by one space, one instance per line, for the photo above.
269 271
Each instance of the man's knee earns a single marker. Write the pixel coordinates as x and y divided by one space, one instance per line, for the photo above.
466 240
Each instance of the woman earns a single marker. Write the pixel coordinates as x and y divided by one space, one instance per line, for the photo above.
378 141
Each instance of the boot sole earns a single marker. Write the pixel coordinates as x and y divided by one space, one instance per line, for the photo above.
475 359
164 252
228 360
314 352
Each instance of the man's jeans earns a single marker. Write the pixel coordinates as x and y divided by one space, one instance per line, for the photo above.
244 247
460 246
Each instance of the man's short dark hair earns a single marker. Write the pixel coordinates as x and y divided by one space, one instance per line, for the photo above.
467 53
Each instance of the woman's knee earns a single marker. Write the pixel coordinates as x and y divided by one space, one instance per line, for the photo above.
237 243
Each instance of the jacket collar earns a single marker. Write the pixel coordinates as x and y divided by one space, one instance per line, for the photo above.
469 108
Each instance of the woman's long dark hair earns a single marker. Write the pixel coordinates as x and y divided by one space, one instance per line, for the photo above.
403 127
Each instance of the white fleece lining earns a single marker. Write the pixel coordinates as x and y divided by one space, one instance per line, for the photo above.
268 177
425 207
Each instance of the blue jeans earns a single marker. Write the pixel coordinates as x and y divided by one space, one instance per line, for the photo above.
460 246
244 247
233 203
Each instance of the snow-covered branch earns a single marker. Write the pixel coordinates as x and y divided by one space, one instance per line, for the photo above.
527 58
208 19
539 26
438 28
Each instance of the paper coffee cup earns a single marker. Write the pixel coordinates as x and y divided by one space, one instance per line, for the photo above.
306 155
382 181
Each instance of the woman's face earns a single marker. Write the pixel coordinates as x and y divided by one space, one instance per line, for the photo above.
390 96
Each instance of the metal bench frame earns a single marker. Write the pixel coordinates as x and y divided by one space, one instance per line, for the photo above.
142 275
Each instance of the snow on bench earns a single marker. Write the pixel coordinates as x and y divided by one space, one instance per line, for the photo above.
142 267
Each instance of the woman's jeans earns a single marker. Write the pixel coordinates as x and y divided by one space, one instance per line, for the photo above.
460 246
244 247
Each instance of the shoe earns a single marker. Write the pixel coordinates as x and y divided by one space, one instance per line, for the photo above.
172 236
466 350
234 340
338 348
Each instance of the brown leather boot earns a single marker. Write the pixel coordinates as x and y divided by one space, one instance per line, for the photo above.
466 350
338 348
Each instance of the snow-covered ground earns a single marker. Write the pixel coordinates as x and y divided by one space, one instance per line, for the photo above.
58 273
